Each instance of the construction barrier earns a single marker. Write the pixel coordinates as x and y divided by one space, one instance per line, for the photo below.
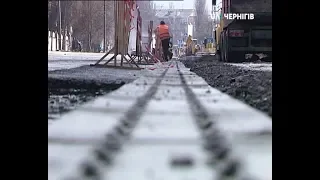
150 37
154 53
141 52
158 47
138 36
139 55
123 15
128 20
149 56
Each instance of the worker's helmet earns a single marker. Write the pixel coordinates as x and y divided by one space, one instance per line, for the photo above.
162 23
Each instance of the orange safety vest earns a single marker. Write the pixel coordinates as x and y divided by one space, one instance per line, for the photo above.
163 32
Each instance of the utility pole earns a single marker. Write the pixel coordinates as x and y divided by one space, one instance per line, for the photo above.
60 40
104 26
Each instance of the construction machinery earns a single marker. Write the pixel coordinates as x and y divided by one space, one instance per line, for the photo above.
193 46
239 39
209 46
189 46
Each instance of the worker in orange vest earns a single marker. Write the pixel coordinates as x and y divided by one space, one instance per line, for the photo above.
164 35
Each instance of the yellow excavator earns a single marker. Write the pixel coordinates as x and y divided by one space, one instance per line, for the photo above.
210 47
194 46
191 46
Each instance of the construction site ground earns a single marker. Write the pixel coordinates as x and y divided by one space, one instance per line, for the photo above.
74 82
167 124
248 82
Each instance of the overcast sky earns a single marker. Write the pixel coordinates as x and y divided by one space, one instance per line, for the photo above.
184 4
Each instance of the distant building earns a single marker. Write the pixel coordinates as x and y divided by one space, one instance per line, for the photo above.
178 20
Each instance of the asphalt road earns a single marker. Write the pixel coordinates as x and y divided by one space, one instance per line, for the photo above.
69 60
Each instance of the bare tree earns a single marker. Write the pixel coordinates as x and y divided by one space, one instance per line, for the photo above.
85 18
203 22
147 12
53 15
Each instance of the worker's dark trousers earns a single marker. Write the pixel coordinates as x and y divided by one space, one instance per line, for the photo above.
165 48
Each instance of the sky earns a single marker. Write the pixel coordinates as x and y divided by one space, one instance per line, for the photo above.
184 4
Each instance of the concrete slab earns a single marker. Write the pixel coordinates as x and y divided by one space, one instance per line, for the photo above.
61 159
166 129
146 162
170 129
89 125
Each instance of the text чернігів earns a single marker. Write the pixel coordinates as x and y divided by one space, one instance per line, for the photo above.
239 16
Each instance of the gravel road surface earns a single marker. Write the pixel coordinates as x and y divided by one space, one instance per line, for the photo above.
246 82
